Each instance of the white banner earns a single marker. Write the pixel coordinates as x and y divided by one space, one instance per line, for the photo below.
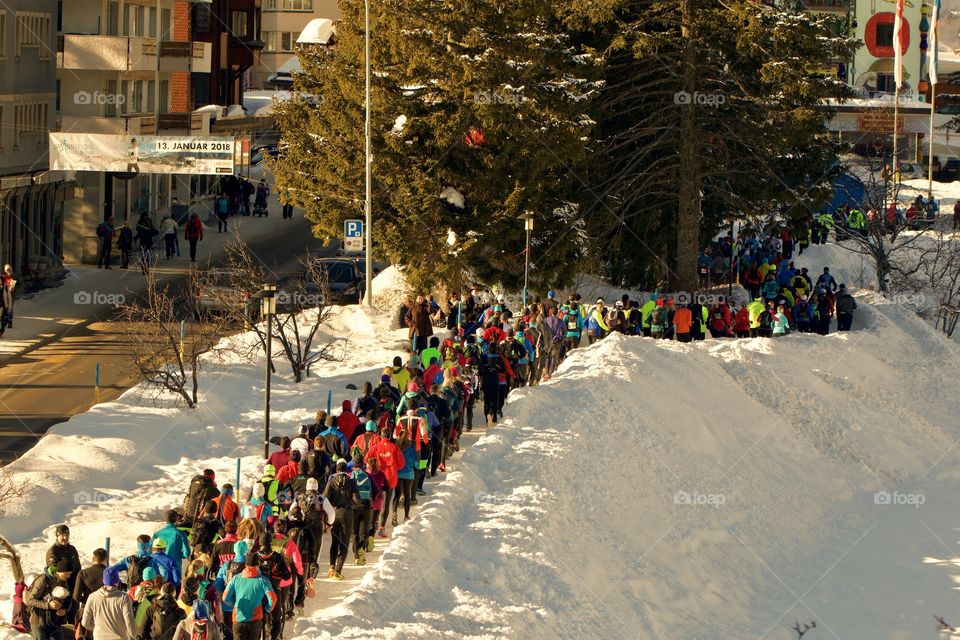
141 154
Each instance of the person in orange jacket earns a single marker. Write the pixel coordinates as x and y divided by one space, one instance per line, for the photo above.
682 322
390 459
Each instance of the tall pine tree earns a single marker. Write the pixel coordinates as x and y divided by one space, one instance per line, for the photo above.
478 116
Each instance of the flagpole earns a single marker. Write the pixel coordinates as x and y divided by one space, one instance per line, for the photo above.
896 118
933 102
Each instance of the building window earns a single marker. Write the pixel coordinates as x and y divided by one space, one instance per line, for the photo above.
280 41
884 35
238 24
33 32
30 120
885 83
288 5
201 18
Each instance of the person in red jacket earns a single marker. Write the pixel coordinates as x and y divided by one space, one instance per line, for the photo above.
367 439
348 422
741 323
193 233
721 320
390 459
290 471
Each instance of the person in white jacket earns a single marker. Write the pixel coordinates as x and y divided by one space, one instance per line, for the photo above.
168 231
109 611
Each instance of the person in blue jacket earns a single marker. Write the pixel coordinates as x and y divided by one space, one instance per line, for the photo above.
166 566
251 596
573 321
232 568
175 541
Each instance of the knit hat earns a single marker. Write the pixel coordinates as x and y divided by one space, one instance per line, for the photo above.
412 386
111 577
59 593
149 574
371 425
384 379
240 548
63 565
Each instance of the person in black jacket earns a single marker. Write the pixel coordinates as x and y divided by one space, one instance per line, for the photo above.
90 579
63 550
845 306
274 567
341 491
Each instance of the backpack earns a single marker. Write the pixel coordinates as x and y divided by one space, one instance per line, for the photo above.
199 492
167 614
135 566
334 445
284 498
101 230
362 480
315 465
310 509
204 531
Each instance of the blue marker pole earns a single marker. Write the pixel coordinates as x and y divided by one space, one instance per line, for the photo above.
236 487
329 401
96 384
106 546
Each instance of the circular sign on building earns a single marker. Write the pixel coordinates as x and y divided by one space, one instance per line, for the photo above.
878 35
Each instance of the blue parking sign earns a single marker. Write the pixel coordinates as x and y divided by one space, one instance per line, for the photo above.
353 235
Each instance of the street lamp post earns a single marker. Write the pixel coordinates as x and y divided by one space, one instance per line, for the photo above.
268 307
368 224
527 218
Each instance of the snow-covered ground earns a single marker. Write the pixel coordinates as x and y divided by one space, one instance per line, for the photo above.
722 489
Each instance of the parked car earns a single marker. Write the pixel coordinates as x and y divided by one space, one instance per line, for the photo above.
218 293
345 279
912 171
948 172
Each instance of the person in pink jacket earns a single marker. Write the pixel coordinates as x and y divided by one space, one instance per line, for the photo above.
287 547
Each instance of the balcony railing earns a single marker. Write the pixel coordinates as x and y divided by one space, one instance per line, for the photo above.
185 56
106 53
830 5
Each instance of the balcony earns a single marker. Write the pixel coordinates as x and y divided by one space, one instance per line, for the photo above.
106 53
132 124
185 123
186 56
830 5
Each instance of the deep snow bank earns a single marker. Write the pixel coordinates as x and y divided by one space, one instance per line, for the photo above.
716 490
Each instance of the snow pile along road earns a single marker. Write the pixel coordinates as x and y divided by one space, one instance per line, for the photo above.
714 490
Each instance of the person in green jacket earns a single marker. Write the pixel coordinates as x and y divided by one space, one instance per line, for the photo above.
755 308
645 312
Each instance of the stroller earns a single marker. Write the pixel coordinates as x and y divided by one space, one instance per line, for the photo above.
260 204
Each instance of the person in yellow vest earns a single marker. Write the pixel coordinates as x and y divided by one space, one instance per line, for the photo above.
755 308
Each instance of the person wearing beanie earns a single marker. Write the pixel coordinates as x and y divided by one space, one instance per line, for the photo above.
162 616
227 508
251 597
63 550
274 568
335 443
226 573
37 597
341 491
279 459
366 402
365 439
62 610
109 611
198 624
348 422
132 566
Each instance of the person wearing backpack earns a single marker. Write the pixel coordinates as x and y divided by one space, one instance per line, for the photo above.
251 597
205 530
199 624
283 544
801 315
406 474
161 617
334 442
317 514
363 513
341 491
273 567
319 463
105 231
845 307
38 598
223 212
202 489
224 575
301 534
365 440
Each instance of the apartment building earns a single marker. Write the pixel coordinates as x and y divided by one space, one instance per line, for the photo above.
283 20
124 67
233 28
29 226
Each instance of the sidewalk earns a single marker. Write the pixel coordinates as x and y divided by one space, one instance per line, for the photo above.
89 294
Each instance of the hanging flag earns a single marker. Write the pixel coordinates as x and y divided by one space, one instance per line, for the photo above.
898 45
934 55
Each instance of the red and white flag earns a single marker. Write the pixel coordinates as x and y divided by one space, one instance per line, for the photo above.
898 45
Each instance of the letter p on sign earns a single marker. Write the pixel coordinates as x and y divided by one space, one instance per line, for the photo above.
353 236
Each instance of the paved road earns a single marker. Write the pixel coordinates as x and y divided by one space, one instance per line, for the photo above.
55 380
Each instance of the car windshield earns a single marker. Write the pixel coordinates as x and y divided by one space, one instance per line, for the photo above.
338 271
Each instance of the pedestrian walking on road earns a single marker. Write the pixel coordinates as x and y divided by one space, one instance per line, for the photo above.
8 285
145 235
193 233
105 232
223 212
168 231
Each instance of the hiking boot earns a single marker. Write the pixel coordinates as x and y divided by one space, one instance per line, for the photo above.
361 557
370 542
393 520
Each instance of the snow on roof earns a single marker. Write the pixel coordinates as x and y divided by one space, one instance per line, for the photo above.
290 67
317 31
399 125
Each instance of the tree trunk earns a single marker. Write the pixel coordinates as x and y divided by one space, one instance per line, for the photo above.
688 211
